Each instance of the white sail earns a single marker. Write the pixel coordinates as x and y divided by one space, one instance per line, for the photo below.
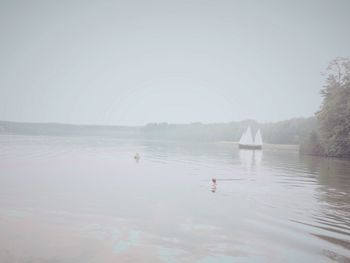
243 138
247 138
258 139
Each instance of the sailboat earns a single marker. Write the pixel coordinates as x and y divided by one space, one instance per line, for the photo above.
247 141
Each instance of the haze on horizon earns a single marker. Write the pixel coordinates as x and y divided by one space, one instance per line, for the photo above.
135 62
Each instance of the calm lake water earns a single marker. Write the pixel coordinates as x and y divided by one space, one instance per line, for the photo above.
86 199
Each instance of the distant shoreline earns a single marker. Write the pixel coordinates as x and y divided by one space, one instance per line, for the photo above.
289 147
284 133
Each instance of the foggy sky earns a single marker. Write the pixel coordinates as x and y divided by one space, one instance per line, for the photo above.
134 62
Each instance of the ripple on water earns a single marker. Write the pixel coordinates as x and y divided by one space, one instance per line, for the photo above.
266 207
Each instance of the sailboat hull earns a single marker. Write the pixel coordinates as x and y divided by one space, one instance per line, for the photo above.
250 147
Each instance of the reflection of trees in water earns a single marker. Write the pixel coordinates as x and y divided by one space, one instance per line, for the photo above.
250 158
332 174
333 177
333 193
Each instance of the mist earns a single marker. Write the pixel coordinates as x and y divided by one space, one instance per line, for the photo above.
189 131
135 62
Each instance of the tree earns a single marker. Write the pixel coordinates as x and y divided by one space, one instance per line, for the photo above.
311 145
334 115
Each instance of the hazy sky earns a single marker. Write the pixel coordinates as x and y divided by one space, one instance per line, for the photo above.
134 62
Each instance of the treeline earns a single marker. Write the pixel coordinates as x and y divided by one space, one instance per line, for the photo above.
58 129
291 131
331 137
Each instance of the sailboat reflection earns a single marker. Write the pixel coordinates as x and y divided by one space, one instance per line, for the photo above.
250 159
257 158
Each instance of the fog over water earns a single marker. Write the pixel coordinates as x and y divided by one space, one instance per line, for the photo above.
134 62
86 199
155 167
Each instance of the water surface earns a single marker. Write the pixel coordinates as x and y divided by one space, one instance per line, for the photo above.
86 199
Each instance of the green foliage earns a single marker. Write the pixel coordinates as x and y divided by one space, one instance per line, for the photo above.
311 145
334 116
291 131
